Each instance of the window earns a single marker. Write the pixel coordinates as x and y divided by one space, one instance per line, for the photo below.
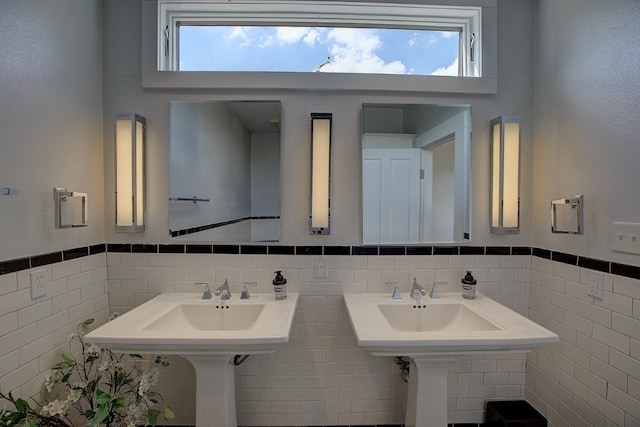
319 36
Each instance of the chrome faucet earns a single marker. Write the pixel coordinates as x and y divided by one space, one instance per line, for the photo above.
223 288
417 291
396 290
245 292
206 292
434 294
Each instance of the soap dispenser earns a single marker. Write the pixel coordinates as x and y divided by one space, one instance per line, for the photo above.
279 287
469 286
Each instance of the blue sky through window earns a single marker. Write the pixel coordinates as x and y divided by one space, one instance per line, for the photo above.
303 49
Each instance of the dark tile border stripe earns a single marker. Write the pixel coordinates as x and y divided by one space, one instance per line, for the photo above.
171 249
46 259
144 249
594 264
187 231
498 250
541 253
473 250
15 265
564 258
25 263
75 253
520 250
631 271
253 249
282 250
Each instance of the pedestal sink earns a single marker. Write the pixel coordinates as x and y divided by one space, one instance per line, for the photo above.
434 333
208 333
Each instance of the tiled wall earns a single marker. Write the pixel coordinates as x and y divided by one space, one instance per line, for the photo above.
592 377
323 377
33 333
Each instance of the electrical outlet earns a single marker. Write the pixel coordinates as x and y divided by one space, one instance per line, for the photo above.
38 284
596 285
320 266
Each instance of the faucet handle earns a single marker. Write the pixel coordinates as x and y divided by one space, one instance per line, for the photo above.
206 292
396 291
245 292
434 294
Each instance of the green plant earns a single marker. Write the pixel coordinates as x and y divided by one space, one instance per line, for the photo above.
96 387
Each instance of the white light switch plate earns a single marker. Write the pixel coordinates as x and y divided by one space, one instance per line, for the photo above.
625 237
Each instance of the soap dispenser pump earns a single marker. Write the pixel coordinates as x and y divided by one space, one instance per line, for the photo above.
279 287
469 286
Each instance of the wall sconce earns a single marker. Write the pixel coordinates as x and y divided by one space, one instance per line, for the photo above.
505 174
130 173
320 173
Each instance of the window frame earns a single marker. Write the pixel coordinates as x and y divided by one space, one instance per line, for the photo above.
466 20
153 78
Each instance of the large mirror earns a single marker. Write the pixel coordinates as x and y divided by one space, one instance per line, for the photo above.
224 171
416 173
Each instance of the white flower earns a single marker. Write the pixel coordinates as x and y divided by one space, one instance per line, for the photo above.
49 382
55 407
74 395
136 414
94 350
147 381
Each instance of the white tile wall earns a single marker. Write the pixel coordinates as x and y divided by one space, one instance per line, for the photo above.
323 377
591 377
33 333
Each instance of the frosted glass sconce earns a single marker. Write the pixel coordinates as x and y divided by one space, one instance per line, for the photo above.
505 174
320 173
130 172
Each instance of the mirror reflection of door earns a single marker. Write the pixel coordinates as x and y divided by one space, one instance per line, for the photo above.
391 193
415 185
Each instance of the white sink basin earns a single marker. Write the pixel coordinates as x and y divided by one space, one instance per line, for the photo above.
185 324
434 333
438 317
208 333
449 325
202 317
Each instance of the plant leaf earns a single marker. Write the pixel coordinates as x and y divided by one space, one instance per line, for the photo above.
102 398
68 357
152 416
101 415
22 406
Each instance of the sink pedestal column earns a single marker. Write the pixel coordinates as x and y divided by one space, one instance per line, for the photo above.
428 383
215 391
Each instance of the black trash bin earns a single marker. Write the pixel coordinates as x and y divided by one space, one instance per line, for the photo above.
513 413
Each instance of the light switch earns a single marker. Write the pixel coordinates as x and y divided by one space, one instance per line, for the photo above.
624 237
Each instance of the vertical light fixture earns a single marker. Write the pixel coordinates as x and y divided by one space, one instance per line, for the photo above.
320 173
130 172
505 174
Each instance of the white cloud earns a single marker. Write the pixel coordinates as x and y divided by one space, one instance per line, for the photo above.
240 33
451 70
291 35
448 34
312 37
352 51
